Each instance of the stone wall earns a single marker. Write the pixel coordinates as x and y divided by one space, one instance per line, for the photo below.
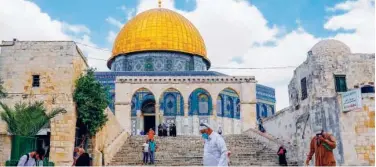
5 147
284 119
108 140
358 133
321 108
59 64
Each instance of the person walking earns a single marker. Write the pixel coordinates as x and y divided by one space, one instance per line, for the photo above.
83 158
261 127
152 149
151 134
145 149
282 156
32 158
215 150
322 146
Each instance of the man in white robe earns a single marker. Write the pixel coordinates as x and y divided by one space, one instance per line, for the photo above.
215 150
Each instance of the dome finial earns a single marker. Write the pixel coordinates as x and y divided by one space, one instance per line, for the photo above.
159 3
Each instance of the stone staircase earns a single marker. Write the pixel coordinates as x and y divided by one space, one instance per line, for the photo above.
188 151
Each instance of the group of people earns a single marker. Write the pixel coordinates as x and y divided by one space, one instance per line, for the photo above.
215 151
34 158
321 146
167 130
149 148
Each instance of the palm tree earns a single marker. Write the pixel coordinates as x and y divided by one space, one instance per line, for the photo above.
27 119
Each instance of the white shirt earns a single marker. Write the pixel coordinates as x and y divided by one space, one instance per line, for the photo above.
215 151
146 147
30 162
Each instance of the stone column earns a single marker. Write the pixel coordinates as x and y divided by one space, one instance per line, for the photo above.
138 122
213 118
248 106
178 123
156 118
196 124
186 110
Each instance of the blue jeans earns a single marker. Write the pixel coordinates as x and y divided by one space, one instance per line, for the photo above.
146 157
151 153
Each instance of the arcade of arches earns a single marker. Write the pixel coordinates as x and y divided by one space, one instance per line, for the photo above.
171 109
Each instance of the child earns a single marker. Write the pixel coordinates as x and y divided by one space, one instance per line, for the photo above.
145 152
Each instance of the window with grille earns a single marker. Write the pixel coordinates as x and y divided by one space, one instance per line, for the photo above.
303 85
36 80
340 83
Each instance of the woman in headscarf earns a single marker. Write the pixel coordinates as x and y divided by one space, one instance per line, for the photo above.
282 156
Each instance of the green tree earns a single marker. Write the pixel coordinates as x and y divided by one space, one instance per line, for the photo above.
27 119
2 90
91 99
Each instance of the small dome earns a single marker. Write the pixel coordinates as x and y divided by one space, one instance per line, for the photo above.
330 47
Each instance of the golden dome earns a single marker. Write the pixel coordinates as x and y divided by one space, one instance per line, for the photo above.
159 30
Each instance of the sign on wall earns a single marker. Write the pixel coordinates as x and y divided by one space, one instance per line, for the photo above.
351 100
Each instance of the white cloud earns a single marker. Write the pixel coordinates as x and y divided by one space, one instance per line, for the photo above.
24 20
230 30
76 29
114 22
358 16
111 37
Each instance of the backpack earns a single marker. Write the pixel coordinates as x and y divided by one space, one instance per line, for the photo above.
27 159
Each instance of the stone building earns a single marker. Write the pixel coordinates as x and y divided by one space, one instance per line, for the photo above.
159 74
43 71
316 91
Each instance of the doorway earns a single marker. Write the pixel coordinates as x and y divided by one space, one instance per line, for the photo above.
148 111
149 122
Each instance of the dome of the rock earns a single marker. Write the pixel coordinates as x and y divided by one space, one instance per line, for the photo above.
159 30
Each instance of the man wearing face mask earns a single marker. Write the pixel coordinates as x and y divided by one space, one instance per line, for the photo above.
215 150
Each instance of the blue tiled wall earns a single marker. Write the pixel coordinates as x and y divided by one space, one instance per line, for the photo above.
266 100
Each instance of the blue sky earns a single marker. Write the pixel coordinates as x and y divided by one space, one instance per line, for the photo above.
289 14
237 33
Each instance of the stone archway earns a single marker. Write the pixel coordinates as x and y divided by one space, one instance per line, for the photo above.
200 108
142 111
172 106
228 111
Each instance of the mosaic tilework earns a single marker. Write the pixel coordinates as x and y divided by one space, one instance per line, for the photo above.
159 61
139 98
265 93
172 103
228 104
200 103
108 78
264 110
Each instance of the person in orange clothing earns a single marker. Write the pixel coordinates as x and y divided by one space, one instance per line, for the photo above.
322 146
151 134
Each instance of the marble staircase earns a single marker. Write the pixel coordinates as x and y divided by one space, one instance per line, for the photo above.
188 151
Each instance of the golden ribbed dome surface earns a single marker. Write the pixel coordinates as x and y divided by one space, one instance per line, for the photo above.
159 30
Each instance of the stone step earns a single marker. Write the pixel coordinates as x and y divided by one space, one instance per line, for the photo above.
188 151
